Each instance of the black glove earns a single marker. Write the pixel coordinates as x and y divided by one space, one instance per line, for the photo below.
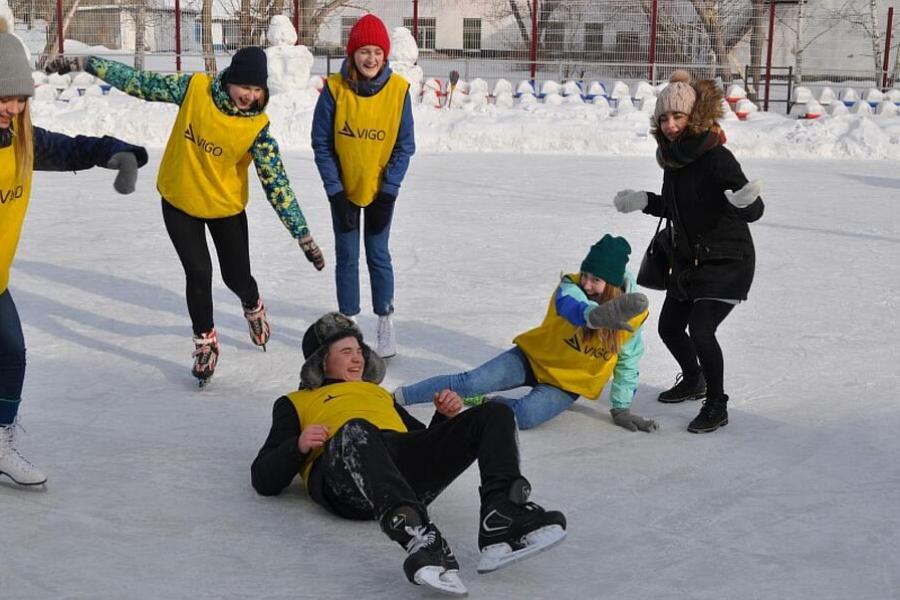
63 64
346 212
380 212
311 250
127 165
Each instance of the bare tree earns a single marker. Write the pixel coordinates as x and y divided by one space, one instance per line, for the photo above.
51 48
140 26
206 43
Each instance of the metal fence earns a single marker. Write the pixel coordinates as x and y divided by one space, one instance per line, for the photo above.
825 41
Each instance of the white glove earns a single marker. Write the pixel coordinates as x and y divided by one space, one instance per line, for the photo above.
745 196
627 201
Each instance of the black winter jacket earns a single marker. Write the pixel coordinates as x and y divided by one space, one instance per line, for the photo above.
714 256
280 460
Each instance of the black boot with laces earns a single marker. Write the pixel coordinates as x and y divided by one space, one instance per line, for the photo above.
691 387
713 415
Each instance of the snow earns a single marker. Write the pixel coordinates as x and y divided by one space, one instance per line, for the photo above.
149 493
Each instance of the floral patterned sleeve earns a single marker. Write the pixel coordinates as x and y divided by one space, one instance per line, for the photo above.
274 180
145 85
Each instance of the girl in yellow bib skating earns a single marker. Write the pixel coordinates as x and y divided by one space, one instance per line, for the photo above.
220 129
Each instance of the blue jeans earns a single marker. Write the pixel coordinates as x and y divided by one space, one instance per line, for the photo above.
12 359
378 258
504 372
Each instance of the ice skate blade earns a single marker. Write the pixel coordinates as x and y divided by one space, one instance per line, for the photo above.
441 580
498 556
29 484
203 382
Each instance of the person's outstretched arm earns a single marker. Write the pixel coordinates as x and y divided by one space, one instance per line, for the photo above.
280 459
146 85
59 152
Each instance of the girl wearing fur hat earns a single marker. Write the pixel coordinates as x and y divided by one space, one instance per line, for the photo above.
363 138
709 201
220 128
590 333
23 150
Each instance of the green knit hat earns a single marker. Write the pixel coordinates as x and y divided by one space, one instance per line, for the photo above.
607 259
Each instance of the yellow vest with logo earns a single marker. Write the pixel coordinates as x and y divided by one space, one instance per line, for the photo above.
14 195
570 357
365 131
204 168
335 404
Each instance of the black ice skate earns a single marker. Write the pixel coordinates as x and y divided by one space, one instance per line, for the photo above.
713 414
206 354
513 528
430 562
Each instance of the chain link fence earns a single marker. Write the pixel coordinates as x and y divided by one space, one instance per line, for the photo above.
750 41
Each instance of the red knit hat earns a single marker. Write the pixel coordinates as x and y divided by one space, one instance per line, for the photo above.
369 31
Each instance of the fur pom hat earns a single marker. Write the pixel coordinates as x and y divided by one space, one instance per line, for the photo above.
318 338
678 96
706 105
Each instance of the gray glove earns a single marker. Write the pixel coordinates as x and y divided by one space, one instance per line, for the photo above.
627 201
126 164
745 196
616 313
63 64
623 418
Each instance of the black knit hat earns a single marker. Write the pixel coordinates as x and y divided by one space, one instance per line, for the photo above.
316 341
248 67
607 259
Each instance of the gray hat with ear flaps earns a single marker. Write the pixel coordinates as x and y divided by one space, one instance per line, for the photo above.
319 337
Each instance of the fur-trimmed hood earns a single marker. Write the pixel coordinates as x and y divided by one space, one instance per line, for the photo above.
318 338
704 116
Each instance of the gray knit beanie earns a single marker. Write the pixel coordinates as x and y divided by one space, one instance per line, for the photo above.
678 96
15 73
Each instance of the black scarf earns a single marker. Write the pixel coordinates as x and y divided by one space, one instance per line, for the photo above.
685 150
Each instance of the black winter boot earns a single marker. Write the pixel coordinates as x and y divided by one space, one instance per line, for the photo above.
692 387
713 415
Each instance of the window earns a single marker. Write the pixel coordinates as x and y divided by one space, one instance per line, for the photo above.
554 36
427 27
593 38
471 34
628 47
347 24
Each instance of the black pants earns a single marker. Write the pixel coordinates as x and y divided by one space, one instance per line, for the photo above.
701 319
367 472
188 235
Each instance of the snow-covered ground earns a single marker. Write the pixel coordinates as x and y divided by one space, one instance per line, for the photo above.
149 493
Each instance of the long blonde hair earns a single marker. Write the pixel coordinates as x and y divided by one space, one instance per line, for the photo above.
24 142
21 130
610 339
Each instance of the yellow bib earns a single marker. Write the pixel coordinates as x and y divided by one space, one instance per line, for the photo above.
14 195
335 404
204 168
569 357
365 131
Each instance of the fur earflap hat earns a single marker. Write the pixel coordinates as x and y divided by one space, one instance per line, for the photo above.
318 338
678 96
